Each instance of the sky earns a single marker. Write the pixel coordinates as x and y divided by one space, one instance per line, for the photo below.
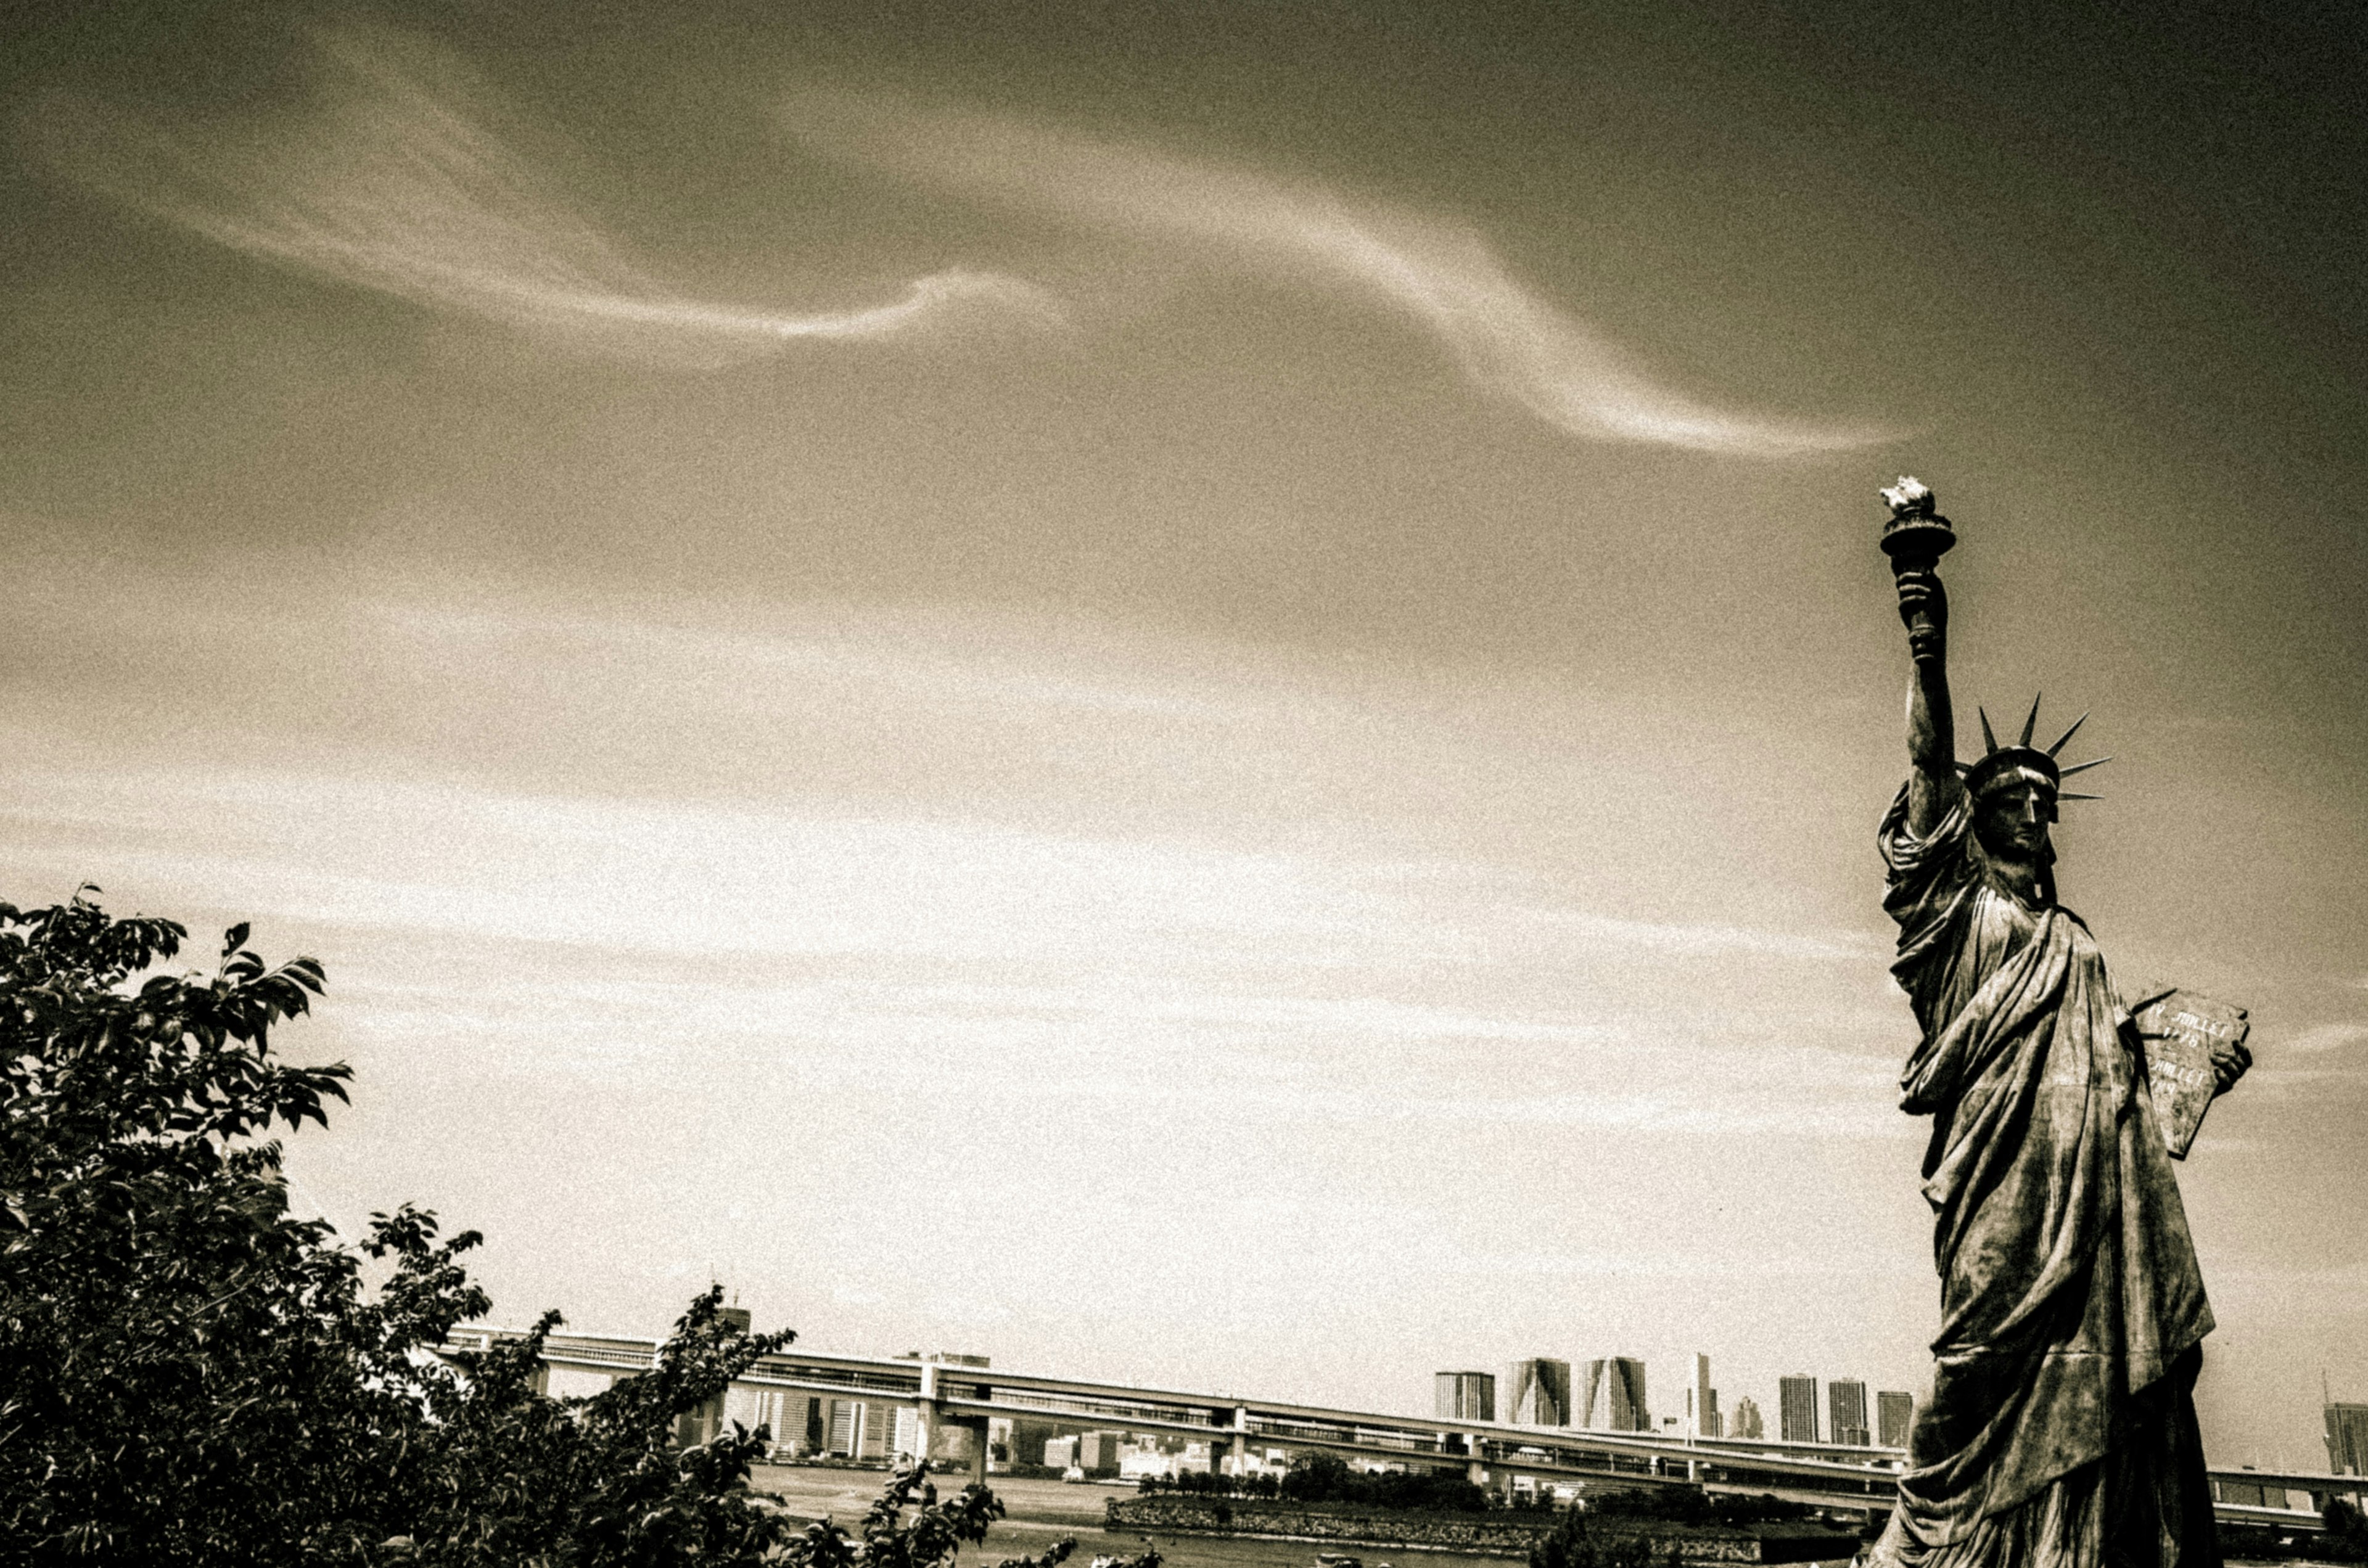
1195 694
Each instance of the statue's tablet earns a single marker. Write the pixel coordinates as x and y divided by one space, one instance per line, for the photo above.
2179 1031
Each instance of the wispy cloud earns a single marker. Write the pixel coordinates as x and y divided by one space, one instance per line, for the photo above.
1664 1264
660 877
2323 1038
1440 275
392 181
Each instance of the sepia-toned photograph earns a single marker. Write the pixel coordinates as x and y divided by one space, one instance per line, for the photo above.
1235 784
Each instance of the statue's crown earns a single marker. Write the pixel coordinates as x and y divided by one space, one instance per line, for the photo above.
2023 763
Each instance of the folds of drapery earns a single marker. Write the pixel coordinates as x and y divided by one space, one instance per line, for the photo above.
2068 1280
2148 1501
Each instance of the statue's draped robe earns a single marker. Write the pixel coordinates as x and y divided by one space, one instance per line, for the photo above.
2061 1425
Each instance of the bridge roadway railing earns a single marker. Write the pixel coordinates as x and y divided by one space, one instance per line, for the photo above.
1822 1476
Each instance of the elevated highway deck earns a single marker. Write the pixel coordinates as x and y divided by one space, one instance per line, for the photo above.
944 1395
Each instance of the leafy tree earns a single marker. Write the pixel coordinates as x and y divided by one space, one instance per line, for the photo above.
1325 1478
164 1325
1316 1477
1571 1544
1694 1506
189 1374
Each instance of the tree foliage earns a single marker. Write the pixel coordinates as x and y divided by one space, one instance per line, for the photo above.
1692 1506
190 1374
1572 1544
1320 1477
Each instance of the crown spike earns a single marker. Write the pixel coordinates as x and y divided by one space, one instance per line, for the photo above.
2082 767
2069 795
2031 721
2067 734
1990 741
1963 767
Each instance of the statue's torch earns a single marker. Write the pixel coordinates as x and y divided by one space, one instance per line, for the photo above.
1916 538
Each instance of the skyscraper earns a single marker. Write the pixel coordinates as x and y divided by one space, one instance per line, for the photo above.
1894 1417
1615 1396
2347 1438
1796 1406
1701 1400
1464 1396
1538 1393
1846 1405
1747 1423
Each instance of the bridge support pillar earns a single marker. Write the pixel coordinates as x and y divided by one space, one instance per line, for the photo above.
953 1443
1477 1470
1236 1443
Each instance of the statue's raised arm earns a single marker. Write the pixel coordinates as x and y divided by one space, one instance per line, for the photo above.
1916 538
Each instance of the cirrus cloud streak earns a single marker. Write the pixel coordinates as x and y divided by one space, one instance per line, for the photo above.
392 181
1436 274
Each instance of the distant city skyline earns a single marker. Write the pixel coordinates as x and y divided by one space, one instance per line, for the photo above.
1608 1394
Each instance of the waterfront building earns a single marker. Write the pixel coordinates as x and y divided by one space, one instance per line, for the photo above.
2347 1438
847 1429
1894 1417
1060 1453
1538 1393
1796 1408
1846 1410
1746 1423
699 1426
1149 1464
1025 1443
1463 1396
1615 1396
2249 1494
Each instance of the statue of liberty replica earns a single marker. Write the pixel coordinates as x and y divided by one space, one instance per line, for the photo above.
2060 1430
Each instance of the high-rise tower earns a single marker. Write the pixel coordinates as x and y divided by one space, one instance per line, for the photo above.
1615 1396
1894 1419
2347 1438
1463 1396
1845 1406
1796 1402
1537 1392
1701 1402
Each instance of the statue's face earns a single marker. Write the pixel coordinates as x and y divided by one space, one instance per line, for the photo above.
2012 822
